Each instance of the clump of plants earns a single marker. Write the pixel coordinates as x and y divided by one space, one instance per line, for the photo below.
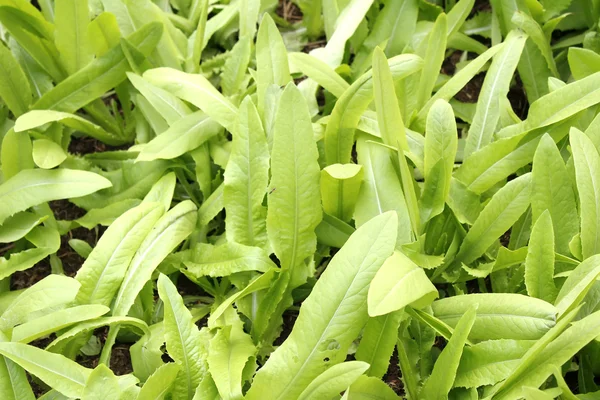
317 199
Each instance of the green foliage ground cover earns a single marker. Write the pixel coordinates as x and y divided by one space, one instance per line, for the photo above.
299 200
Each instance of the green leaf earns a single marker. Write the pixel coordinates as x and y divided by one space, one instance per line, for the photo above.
271 59
499 315
59 344
340 186
587 170
432 61
294 203
441 144
103 33
197 90
184 342
101 384
13 382
332 315
539 264
36 118
55 370
99 76
19 225
236 67
52 291
71 21
339 134
489 362
32 187
377 343
47 154
15 153
170 230
14 87
577 285
246 180
370 388
399 283
526 23
583 62
169 106
157 386
381 190
107 215
552 190
503 210
228 352
226 259
55 321
552 356
444 371
319 71
183 136
334 380
495 87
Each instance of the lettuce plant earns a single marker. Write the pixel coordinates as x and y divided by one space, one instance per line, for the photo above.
317 199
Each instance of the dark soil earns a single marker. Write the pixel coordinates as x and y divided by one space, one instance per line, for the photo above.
87 145
392 376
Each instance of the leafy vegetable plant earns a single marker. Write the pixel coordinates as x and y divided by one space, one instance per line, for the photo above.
299 199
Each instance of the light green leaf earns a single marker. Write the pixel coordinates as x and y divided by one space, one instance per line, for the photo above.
43 326
104 269
381 190
19 225
441 144
294 201
159 383
14 87
332 315
587 170
319 71
100 76
59 344
185 135
334 380
211 206
526 23
235 71
370 388
170 230
377 343
52 291
271 59
499 315
583 62
495 87
489 362
577 285
226 259
184 342
503 210
101 384
32 187
228 352
36 118
340 186
169 106
55 370
339 134
552 190
399 283
246 180
71 20
47 154
432 61
13 382
197 90
539 264
548 358
106 215
444 371
15 154
103 33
